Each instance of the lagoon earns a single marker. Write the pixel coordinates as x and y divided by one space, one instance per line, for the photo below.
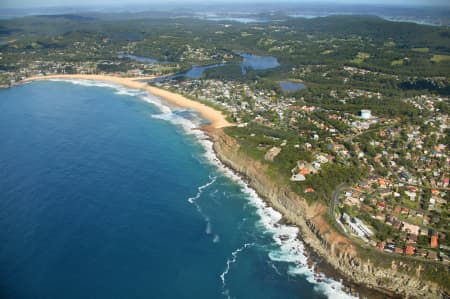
256 62
289 86
138 58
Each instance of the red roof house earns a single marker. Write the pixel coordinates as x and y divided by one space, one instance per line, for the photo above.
410 250
434 242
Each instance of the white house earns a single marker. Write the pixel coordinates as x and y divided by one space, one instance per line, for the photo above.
366 114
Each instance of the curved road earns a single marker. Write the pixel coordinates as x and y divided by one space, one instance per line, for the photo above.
334 200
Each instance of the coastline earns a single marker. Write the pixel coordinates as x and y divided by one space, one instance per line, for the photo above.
334 253
205 135
340 260
216 118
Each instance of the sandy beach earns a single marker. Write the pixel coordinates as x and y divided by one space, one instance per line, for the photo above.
215 117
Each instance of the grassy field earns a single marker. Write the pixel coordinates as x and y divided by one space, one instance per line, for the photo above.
410 204
360 57
327 52
295 80
440 58
397 62
421 50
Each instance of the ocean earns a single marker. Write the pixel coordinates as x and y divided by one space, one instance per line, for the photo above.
107 192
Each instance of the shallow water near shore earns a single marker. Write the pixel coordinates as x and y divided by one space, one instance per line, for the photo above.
107 192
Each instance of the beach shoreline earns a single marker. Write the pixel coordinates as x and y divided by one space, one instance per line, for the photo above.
216 118
336 265
209 134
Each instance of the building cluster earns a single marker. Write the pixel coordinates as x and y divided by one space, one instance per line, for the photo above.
203 55
120 67
401 206
412 231
242 100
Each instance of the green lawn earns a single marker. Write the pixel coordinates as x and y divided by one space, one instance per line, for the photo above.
416 220
440 58
410 204
360 57
421 50
397 62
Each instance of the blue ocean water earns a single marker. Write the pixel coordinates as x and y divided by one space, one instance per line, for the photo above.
107 192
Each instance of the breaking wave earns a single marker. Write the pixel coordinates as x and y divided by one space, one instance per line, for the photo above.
230 261
288 249
193 200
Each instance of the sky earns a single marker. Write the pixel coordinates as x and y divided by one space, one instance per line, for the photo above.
100 3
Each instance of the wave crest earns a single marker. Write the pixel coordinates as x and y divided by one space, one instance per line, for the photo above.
193 200
289 248
230 261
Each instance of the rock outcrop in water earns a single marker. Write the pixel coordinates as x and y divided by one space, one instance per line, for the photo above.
338 251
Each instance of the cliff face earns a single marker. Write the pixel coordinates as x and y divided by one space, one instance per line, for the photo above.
338 251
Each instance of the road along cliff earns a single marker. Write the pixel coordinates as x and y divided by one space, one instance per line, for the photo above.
398 279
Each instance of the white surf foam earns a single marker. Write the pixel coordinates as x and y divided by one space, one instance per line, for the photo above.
119 89
90 83
230 261
193 200
168 113
289 248
201 188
